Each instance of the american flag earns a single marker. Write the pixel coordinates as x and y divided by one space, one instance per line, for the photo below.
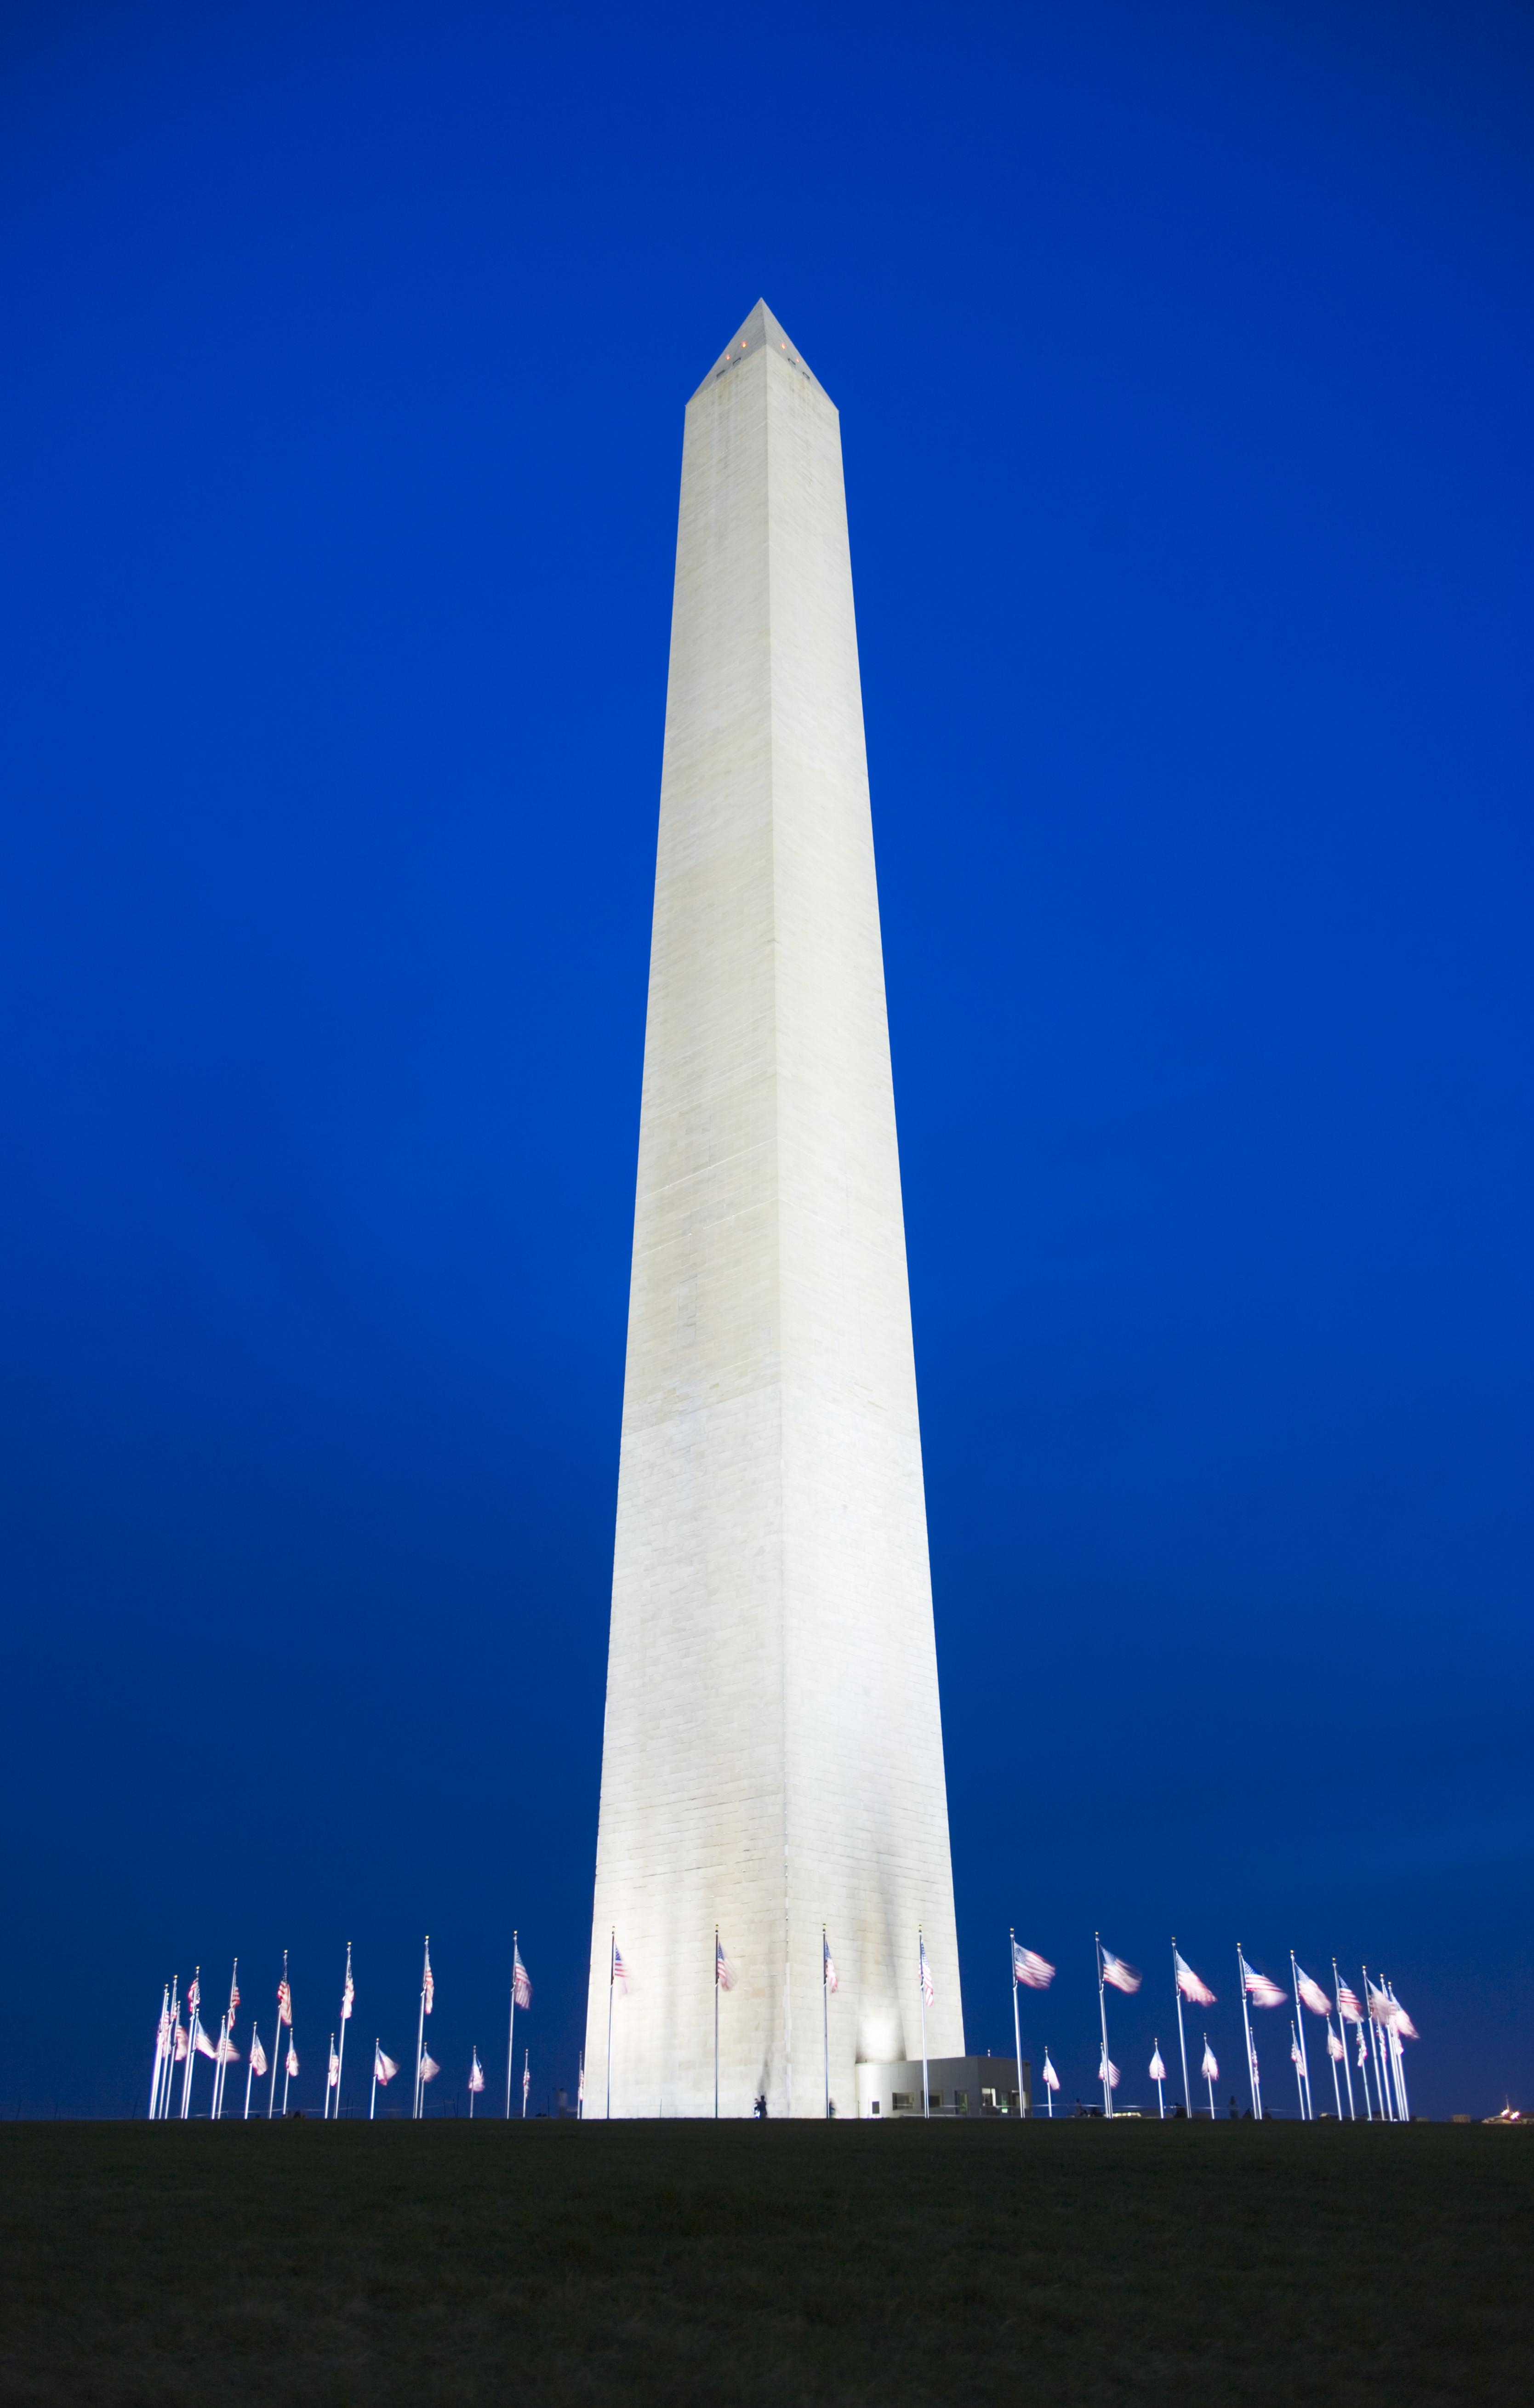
1108 2071
334 2067
350 1991
527 2082
1404 2027
1052 2080
522 1989
928 1993
1334 2047
1259 1990
292 2067
476 2073
194 1995
384 2068
1311 1993
724 1970
258 2057
427 1984
828 1971
429 2068
1210 2069
228 2052
233 1999
1295 2057
1196 1993
1033 1973
1379 2005
1124 1977
204 2046
1348 2004
619 1970
284 2002
180 2039
1158 2072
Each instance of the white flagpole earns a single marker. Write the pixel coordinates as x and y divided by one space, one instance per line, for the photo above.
473 2063
193 2022
421 2028
1307 2104
170 2060
1017 2022
1372 2031
220 2063
341 2062
525 2058
1342 2028
921 1984
511 2027
1382 2042
373 2094
1298 2065
1400 2055
581 2087
1102 2017
716 2020
233 2001
1398 2058
1181 2037
330 2061
162 2035
1246 2019
286 2075
1335 2091
1209 2082
1049 2095
1388 2052
271 2098
1160 2101
613 1951
826 2019
250 2067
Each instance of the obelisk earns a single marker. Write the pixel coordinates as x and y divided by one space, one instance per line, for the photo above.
772 1755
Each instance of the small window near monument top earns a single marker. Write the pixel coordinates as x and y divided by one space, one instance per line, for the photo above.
961 2103
874 2110
1011 2101
936 2097
903 2102
987 2098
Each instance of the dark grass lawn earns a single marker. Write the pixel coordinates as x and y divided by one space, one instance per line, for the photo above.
773 2263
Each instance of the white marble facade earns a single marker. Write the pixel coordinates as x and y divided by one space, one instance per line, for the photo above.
772 1753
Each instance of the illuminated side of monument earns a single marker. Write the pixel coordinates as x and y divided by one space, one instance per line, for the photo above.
772 1753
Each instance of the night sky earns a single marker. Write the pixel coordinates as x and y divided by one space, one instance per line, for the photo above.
1184 359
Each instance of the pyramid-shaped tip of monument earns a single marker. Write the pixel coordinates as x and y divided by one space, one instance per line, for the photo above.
760 333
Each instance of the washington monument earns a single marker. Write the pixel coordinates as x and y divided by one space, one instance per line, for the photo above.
772 1755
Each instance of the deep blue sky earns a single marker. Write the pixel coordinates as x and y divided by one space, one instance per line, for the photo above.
1184 364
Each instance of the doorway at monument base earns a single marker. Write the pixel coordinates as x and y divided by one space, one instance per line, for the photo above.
956 2086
